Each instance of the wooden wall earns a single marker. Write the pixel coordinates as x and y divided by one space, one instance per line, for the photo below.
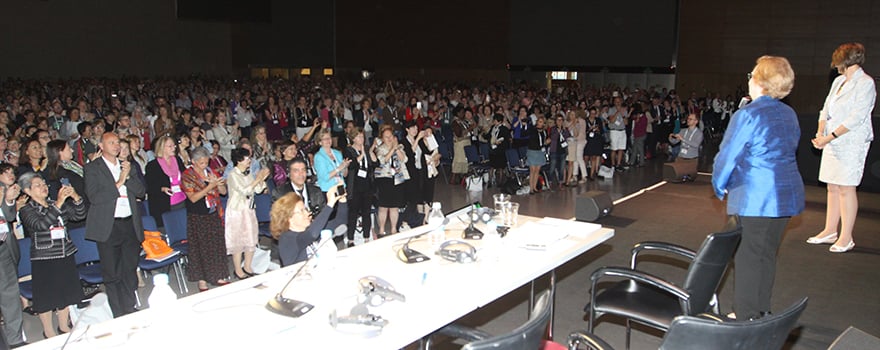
719 42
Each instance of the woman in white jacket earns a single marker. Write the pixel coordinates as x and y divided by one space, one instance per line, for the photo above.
241 224
845 133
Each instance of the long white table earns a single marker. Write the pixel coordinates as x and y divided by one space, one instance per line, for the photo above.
437 292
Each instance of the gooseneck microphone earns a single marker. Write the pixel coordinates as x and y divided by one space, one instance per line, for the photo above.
292 307
411 256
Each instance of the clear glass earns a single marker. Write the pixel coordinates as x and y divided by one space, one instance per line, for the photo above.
509 213
500 199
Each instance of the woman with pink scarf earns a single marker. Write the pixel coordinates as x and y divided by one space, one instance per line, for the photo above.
164 176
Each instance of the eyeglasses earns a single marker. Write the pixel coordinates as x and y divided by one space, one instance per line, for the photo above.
749 75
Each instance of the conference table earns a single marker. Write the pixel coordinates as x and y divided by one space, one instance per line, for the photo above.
437 292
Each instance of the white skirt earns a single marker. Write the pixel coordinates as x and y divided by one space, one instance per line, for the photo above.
843 163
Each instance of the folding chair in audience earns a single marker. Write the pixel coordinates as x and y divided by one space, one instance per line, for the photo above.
88 262
263 204
26 288
515 167
474 161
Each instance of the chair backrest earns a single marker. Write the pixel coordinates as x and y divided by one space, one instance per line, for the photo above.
445 149
24 263
766 333
526 337
513 159
86 251
706 271
175 225
144 207
149 223
471 153
263 205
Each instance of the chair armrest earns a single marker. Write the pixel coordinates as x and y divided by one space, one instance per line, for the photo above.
458 331
660 246
639 276
589 339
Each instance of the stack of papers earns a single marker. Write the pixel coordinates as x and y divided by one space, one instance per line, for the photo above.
540 235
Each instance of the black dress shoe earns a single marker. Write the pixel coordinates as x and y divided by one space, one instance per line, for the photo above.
13 346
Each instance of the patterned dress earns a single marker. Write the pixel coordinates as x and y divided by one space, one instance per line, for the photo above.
205 231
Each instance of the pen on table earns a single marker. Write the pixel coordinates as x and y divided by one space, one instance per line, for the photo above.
424 277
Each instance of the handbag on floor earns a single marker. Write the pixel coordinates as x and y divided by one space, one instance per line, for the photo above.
261 261
474 183
606 172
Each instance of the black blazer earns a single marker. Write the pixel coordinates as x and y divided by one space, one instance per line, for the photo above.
102 194
316 197
156 179
78 184
9 212
355 183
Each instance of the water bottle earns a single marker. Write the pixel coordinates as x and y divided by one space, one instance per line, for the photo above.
326 254
435 219
162 296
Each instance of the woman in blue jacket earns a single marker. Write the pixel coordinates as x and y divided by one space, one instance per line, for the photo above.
757 170
330 166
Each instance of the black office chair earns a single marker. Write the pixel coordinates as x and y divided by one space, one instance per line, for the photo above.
689 332
529 336
653 301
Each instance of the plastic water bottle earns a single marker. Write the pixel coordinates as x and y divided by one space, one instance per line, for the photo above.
162 296
326 254
435 219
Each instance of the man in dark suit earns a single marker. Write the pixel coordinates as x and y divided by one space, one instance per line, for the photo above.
114 222
10 302
310 193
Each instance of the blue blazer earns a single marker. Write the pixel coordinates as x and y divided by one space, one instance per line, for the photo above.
323 167
756 166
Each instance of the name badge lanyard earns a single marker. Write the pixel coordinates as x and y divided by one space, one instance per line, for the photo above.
363 164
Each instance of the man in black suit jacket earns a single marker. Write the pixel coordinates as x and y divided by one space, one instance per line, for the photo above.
312 194
114 222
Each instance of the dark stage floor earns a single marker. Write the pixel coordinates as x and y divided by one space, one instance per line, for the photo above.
843 288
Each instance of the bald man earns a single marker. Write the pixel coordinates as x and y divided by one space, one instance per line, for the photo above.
114 222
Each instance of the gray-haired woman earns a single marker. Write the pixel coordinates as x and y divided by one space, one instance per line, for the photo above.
204 222
55 278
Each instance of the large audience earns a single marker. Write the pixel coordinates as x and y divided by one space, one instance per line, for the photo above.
327 150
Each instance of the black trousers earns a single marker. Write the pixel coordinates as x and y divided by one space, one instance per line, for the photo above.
359 205
119 261
756 264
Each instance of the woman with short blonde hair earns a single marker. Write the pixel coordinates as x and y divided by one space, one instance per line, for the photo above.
756 170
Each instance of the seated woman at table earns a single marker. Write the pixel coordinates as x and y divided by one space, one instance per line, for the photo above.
55 278
297 231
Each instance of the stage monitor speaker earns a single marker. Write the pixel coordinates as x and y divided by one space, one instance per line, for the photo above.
853 338
592 205
676 170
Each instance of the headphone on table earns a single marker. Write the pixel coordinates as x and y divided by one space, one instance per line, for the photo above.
458 251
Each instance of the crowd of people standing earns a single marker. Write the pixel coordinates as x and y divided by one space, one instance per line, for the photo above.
116 149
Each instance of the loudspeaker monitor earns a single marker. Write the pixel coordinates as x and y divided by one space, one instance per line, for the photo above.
677 170
592 205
